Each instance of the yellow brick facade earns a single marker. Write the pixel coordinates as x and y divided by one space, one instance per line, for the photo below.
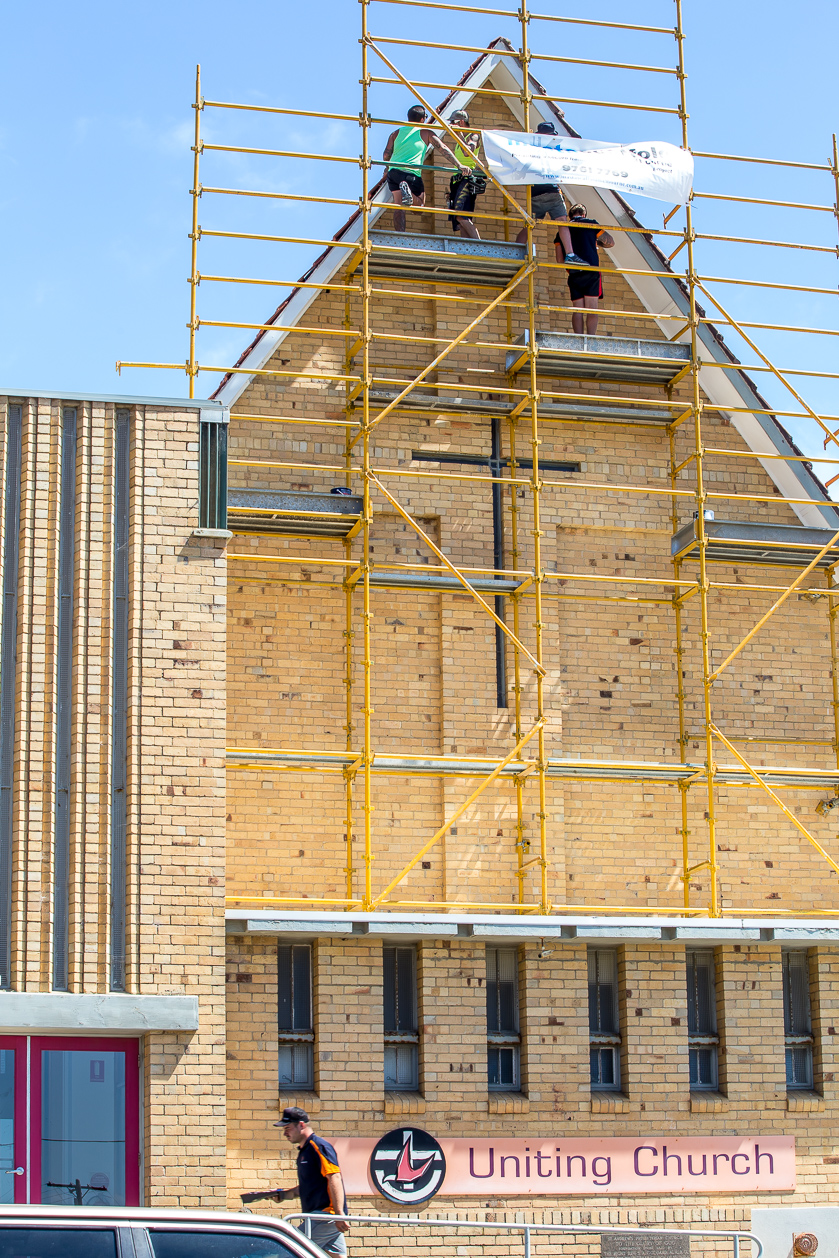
611 694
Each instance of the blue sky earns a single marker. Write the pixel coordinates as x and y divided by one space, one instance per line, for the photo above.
96 128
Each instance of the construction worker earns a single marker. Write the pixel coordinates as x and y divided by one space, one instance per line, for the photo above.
547 201
464 189
319 1184
585 287
405 156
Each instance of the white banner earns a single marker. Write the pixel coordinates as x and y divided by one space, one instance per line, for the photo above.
649 168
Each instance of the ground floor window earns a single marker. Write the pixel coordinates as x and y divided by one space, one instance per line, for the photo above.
69 1121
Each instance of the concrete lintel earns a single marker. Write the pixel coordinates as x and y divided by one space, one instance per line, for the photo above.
515 928
295 926
714 932
25 1012
442 929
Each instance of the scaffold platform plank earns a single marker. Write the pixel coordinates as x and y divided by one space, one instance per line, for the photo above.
441 403
445 259
567 769
297 511
741 541
443 583
583 357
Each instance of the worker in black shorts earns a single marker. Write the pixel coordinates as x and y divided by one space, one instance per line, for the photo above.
466 186
586 287
319 1184
547 201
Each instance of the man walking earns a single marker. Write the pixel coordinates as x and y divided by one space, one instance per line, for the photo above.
405 156
319 1184
585 287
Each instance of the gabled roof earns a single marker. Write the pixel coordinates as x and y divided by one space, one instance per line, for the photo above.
632 252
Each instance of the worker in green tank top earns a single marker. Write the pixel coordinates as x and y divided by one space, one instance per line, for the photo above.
405 155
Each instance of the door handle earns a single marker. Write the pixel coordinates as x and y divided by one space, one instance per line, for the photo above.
19 1170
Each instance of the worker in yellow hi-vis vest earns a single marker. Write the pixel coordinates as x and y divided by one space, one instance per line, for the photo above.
405 156
467 185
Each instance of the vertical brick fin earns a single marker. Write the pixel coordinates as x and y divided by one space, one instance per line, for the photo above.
8 666
119 697
64 693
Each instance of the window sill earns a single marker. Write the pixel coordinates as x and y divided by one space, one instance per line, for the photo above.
404 1103
609 1103
507 1103
804 1102
707 1102
309 1101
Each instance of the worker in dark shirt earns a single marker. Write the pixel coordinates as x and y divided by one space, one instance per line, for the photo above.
586 287
319 1184
547 201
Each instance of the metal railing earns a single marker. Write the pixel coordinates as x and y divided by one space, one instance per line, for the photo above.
527 1229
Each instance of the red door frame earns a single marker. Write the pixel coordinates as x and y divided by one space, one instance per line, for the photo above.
17 1043
28 1106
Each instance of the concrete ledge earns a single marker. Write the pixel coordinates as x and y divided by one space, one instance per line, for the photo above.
24 1012
533 928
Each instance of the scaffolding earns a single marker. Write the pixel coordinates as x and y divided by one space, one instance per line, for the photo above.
538 368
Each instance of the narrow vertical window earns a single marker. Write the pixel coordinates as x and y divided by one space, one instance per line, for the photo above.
8 683
212 474
64 701
703 1041
400 1019
119 698
603 1023
503 1039
798 1029
294 1016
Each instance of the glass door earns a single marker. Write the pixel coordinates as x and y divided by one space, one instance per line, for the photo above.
69 1121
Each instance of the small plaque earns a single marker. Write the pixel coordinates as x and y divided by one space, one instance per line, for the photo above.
637 1245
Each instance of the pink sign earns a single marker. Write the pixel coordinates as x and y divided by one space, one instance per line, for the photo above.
620 1164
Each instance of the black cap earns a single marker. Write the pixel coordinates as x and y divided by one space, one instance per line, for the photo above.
292 1115
547 128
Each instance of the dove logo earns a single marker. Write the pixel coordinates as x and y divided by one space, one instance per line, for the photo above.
407 1165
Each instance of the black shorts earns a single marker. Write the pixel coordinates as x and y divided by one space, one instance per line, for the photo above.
585 284
462 196
396 177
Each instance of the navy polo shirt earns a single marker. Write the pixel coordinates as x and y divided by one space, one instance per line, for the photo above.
316 1160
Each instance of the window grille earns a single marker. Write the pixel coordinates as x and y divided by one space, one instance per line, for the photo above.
400 1020
603 1021
503 1039
294 1016
703 1041
798 1029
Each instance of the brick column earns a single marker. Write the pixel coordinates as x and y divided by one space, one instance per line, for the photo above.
654 1051
554 1027
349 1054
750 1010
452 1019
